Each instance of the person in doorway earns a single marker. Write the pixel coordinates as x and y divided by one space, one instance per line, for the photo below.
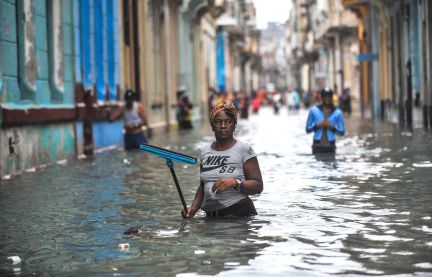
325 121
134 118
229 170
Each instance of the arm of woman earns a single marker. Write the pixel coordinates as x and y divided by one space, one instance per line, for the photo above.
144 119
142 114
253 183
111 116
196 204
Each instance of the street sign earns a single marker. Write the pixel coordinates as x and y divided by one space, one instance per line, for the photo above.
367 57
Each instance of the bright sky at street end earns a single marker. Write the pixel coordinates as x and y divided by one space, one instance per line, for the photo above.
271 11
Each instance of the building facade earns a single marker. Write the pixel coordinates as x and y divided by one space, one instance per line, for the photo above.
64 63
395 50
322 47
37 109
96 74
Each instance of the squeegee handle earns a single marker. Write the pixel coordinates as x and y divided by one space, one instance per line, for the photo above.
171 167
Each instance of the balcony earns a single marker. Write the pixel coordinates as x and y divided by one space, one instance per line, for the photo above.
217 8
214 7
337 21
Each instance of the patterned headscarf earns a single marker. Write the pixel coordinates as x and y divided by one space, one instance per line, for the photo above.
226 106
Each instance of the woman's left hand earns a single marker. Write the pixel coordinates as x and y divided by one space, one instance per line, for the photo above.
223 184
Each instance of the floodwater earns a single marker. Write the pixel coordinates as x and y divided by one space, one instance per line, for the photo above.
366 211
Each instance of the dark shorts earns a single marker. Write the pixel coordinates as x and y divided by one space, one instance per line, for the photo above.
243 208
318 149
133 141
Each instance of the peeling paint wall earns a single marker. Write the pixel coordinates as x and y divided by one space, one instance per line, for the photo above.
58 45
31 65
26 148
1 58
26 27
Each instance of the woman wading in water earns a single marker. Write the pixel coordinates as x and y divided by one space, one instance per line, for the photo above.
229 170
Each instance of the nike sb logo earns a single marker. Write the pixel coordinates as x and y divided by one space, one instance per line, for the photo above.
215 162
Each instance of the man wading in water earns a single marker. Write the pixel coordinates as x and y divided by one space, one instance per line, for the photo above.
326 122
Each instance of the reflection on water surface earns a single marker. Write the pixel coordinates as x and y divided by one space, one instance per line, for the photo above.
364 211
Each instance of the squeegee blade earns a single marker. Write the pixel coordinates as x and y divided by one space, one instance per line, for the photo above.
168 154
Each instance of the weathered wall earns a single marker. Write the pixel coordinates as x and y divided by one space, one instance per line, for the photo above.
33 147
37 48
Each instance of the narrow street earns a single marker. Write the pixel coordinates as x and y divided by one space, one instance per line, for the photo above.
366 211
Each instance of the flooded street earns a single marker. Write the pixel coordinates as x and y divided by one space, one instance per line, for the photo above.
365 212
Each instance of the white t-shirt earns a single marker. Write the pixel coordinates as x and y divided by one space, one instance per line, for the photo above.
223 164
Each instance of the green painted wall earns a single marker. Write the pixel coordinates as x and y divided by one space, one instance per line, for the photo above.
41 92
34 145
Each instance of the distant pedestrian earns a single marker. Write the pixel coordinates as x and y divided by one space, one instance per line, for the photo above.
134 119
307 98
296 100
236 101
256 103
211 102
345 101
184 109
335 99
325 121
276 100
229 170
244 106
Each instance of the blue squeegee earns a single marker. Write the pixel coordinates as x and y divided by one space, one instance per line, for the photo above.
167 154
170 156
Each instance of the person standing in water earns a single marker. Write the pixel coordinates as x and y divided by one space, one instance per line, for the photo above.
229 170
326 121
134 118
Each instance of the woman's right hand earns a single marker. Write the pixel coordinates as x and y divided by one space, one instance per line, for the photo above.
189 214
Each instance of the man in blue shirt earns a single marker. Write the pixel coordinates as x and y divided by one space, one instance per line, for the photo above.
326 121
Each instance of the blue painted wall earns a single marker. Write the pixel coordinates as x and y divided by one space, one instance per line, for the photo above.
96 56
107 134
84 54
220 61
97 60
